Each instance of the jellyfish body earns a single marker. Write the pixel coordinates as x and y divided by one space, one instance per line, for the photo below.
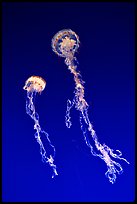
34 85
65 43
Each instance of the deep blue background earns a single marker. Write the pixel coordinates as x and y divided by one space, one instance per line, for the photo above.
106 62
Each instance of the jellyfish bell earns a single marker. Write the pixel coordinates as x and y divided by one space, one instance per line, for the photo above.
65 43
35 84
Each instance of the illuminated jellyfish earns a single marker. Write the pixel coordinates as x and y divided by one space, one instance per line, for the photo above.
34 85
65 43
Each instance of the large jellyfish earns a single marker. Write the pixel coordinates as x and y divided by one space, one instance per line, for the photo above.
65 43
34 85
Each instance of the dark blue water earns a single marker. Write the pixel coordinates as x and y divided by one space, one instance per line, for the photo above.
106 61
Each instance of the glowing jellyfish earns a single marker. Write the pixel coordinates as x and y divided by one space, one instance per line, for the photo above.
34 85
65 43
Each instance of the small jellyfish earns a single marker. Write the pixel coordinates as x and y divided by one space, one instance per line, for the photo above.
34 85
65 44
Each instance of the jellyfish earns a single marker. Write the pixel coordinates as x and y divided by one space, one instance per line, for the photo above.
65 44
34 85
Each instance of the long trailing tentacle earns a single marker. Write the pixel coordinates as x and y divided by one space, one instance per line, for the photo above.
30 110
106 153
